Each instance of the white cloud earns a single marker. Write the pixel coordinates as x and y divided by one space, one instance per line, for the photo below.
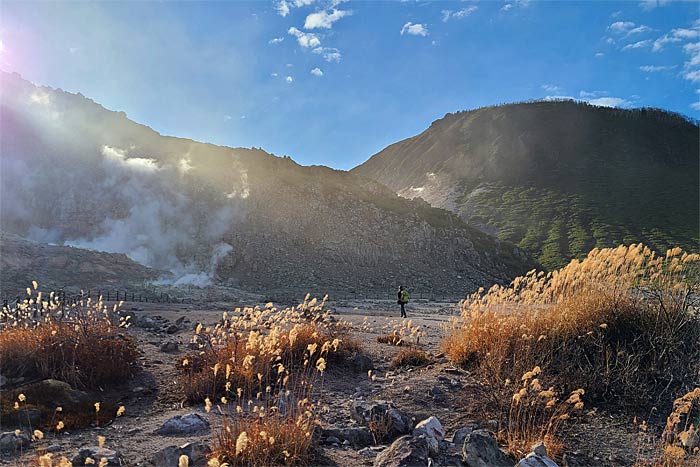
274 75
615 14
289 79
324 19
284 7
648 5
506 7
676 35
655 68
639 30
691 68
276 40
119 157
662 41
551 88
517 3
591 94
610 102
227 117
638 45
459 14
305 39
329 54
414 29
317 72
599 55
621 26
695 106
559 98
40 97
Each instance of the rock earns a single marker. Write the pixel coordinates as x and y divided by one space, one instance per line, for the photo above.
460 435
11 442
361 362
197 454
437 394
141 391
28 418
481 450
358 436
365 411
536 460
53 448
406 451
540 449
172 329
146 322
430 427
183 425
169 346
55 393
433 445
399 422
332 440
3 381
690 439
179 321
367 452
97 453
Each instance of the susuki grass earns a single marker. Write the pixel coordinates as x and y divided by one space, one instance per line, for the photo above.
404 333
679 444
619 323
262 367
83 345
410 357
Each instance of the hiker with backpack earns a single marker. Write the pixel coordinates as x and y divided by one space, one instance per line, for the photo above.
402 300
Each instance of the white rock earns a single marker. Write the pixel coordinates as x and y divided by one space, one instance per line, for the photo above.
431 427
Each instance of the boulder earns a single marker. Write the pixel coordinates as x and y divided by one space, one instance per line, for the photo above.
52 393
357 436
430 427
169 346
197 454
480 449
406 451
460 435
536 460
398 422
96 453
364 412
11 442
183 425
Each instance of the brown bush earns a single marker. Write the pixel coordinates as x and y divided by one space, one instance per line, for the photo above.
620 323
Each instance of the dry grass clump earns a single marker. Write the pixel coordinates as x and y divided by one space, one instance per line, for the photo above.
538 414
82 344
402 334
620 323
410 357
264 366
679 444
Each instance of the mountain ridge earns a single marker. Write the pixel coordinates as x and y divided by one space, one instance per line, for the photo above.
555 178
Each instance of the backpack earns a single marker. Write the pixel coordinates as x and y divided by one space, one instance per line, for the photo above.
404 296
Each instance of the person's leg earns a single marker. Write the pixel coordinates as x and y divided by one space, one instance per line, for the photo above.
403 310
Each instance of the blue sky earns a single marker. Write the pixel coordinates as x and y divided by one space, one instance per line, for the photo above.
329 82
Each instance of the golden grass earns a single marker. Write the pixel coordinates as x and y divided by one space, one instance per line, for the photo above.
262 368
404 333
673 448
538 414
619 323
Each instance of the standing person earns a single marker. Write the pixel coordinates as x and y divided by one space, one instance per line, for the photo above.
402 300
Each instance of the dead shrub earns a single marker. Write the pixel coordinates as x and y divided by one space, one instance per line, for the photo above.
410 357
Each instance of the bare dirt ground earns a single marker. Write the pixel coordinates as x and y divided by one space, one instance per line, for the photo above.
153 396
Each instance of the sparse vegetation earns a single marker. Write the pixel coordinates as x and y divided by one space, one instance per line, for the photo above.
620 324
538 414
263 365
410 357
404 333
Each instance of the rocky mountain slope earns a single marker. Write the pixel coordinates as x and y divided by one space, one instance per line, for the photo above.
75 173
556 178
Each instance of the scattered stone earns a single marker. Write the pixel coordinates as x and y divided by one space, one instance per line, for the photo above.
460 435
141 391
11 442
367 452
179 321
358 436
197 454
430 427
536 460
169 346
399 422
437 394
183 425
172 329
480 449
97 454
540 449
53 448
406 451
332 440
28 418
365 411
